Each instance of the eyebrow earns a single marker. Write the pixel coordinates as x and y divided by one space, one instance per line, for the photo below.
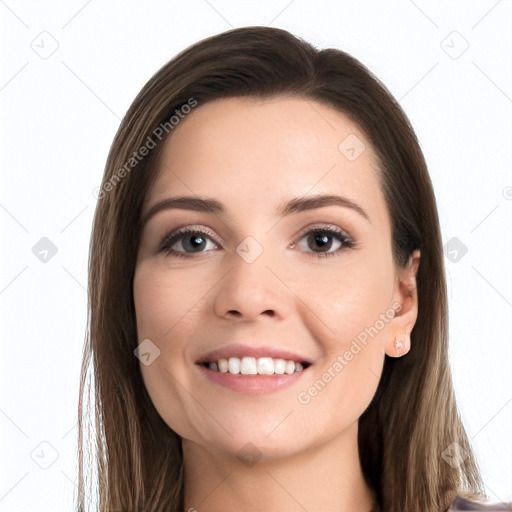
296 205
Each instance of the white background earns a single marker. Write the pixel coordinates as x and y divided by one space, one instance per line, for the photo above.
59 116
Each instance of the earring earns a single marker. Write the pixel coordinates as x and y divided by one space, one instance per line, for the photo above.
400 346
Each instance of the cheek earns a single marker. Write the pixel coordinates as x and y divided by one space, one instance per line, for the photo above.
166 313
349 311
164 301
346 298
167 308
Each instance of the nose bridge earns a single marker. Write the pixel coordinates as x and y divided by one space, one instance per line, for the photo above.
250 287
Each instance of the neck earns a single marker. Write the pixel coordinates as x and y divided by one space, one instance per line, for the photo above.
326 477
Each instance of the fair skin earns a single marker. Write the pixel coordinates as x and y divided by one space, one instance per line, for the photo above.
252 156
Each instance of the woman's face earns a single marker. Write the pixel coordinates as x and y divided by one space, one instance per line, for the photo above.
259 277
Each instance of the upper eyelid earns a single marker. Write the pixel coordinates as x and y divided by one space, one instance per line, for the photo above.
192 228
199 228
328 226
206 229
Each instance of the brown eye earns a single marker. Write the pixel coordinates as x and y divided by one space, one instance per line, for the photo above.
320 240
323 242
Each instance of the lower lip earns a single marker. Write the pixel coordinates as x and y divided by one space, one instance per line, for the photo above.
252 384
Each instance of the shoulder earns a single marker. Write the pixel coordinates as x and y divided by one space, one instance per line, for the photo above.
464 504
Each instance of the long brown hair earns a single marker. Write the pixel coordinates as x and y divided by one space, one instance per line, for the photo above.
413 417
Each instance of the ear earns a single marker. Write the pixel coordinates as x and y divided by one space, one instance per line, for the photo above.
405 293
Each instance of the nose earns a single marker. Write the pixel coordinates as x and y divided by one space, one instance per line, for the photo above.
251 290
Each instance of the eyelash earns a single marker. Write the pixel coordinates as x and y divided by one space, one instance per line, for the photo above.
334 232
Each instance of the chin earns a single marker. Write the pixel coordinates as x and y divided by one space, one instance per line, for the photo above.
249 450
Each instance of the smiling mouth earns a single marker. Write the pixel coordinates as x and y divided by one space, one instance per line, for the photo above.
256 366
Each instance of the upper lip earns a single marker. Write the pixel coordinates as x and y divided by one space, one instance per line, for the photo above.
239 350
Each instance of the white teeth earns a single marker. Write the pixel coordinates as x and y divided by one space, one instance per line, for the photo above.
265 366
248 366
256 366
279 365
223 365
234 365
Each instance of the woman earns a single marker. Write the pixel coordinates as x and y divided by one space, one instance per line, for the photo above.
268 311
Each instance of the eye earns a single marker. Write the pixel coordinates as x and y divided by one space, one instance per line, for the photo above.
331 241
187 241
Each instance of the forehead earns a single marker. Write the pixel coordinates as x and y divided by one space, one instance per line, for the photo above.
248 152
